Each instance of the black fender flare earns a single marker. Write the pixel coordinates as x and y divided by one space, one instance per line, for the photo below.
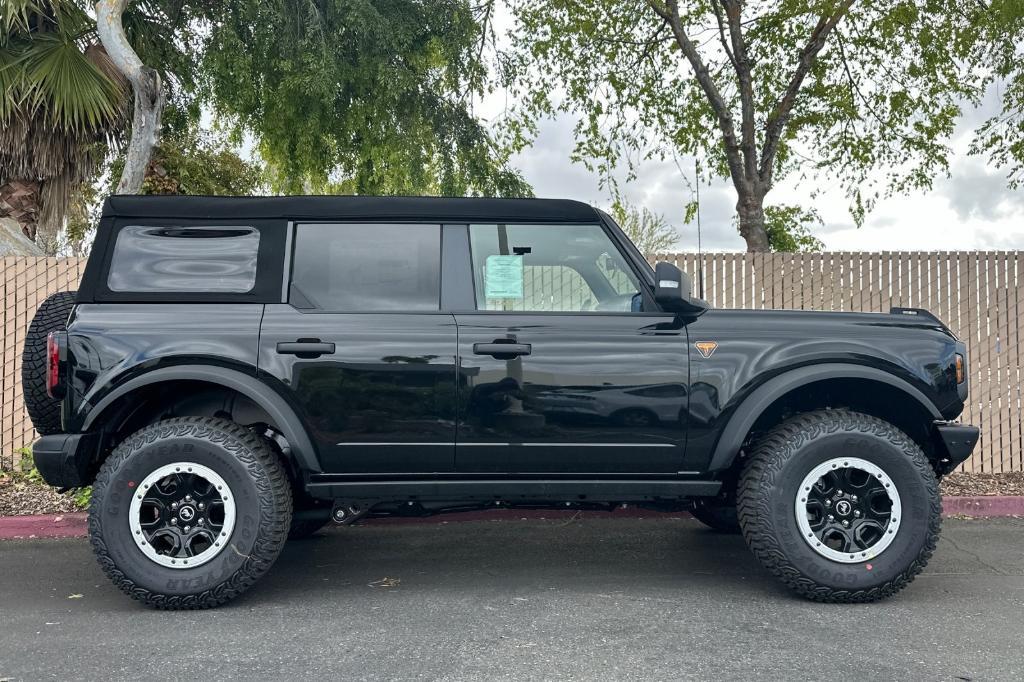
754 405
282 414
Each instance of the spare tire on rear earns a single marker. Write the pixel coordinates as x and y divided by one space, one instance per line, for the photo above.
51 316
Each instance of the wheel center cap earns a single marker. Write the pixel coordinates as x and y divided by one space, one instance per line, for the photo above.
187 513
843 508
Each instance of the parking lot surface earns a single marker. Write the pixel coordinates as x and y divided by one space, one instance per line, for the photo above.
630 598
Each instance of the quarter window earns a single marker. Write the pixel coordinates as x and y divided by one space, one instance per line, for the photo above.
367 267
184 259
550 268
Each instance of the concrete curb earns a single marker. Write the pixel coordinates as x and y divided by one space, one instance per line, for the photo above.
74 525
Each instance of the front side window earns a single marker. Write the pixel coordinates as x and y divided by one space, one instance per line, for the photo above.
550 268
367 267
184 259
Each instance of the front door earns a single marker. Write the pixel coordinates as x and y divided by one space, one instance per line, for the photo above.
363 349
560 369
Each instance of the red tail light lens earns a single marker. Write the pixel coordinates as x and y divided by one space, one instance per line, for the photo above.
53 344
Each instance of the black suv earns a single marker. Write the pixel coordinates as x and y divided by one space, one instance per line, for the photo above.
237 371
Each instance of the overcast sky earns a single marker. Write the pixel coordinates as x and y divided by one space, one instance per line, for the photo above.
972 209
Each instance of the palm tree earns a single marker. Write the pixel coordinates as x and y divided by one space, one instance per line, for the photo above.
62 105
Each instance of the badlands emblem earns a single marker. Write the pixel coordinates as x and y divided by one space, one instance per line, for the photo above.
706 348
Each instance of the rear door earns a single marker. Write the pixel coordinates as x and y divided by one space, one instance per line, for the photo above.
561 370
362 347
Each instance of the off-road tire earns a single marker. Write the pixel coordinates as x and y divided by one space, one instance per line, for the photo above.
717 515
767 493
52 315
263 501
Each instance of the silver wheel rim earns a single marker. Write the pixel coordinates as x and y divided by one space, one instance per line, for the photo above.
848 510
182 515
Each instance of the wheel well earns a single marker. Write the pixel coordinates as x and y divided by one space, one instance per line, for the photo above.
875 398
185 398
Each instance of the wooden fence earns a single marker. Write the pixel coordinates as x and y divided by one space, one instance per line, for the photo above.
978 294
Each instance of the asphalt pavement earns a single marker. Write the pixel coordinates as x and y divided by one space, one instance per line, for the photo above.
651 599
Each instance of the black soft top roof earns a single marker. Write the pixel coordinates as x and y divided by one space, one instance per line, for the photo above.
350 208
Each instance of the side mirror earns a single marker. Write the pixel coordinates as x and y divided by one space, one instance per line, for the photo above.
673 290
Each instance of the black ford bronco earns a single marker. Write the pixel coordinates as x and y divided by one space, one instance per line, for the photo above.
233 372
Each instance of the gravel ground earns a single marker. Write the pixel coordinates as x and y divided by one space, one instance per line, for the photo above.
984 484
18 498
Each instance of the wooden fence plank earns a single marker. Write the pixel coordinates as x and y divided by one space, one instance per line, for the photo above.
979 295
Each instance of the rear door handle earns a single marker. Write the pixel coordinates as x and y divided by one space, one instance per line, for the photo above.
502 351
305 348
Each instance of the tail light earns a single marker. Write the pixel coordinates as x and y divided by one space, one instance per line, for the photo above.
56 355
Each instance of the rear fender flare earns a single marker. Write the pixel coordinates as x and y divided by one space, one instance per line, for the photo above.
282 414
754 405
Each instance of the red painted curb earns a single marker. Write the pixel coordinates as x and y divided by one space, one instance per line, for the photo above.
74 525
985 506
53 526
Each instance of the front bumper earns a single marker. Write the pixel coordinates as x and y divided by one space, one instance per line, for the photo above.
64 459
954 443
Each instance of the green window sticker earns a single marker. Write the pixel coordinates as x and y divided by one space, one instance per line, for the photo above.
503 277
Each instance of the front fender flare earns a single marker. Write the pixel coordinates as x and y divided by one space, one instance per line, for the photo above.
754 405
271 401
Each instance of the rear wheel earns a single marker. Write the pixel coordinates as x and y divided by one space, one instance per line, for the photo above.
189 513
52 315
842 506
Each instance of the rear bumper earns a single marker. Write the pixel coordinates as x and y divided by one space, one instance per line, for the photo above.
64 459
954 443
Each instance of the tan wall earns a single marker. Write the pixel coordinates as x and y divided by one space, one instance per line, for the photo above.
978 294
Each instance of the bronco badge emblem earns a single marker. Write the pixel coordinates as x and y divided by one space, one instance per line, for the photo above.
706 348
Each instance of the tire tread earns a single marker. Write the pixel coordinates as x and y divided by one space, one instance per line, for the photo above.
275 499
764 467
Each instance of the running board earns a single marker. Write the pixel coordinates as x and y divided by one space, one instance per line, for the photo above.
322 487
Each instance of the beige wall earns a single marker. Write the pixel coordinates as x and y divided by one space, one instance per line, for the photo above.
978 294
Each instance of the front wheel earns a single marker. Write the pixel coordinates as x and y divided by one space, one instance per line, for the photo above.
188 513
841 506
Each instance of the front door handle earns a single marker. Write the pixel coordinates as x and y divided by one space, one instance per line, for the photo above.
305 348
502 351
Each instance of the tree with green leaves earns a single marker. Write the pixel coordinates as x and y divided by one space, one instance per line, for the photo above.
864 93
789 229
62 102
366 96
999 43
649 231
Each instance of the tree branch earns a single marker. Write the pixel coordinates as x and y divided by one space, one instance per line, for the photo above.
149 93
777 120
746 87
670 13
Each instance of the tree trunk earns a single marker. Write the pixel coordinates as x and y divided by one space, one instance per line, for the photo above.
20 200
149 94
750 209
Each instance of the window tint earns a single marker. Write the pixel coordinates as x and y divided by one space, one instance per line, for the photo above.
184 259
352 267
550 268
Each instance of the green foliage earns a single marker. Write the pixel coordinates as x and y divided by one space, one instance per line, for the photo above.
789 228
1001 138
874 112
650 231
367 96
193 161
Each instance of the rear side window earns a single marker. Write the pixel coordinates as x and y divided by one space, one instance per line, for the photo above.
367 267
184 259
